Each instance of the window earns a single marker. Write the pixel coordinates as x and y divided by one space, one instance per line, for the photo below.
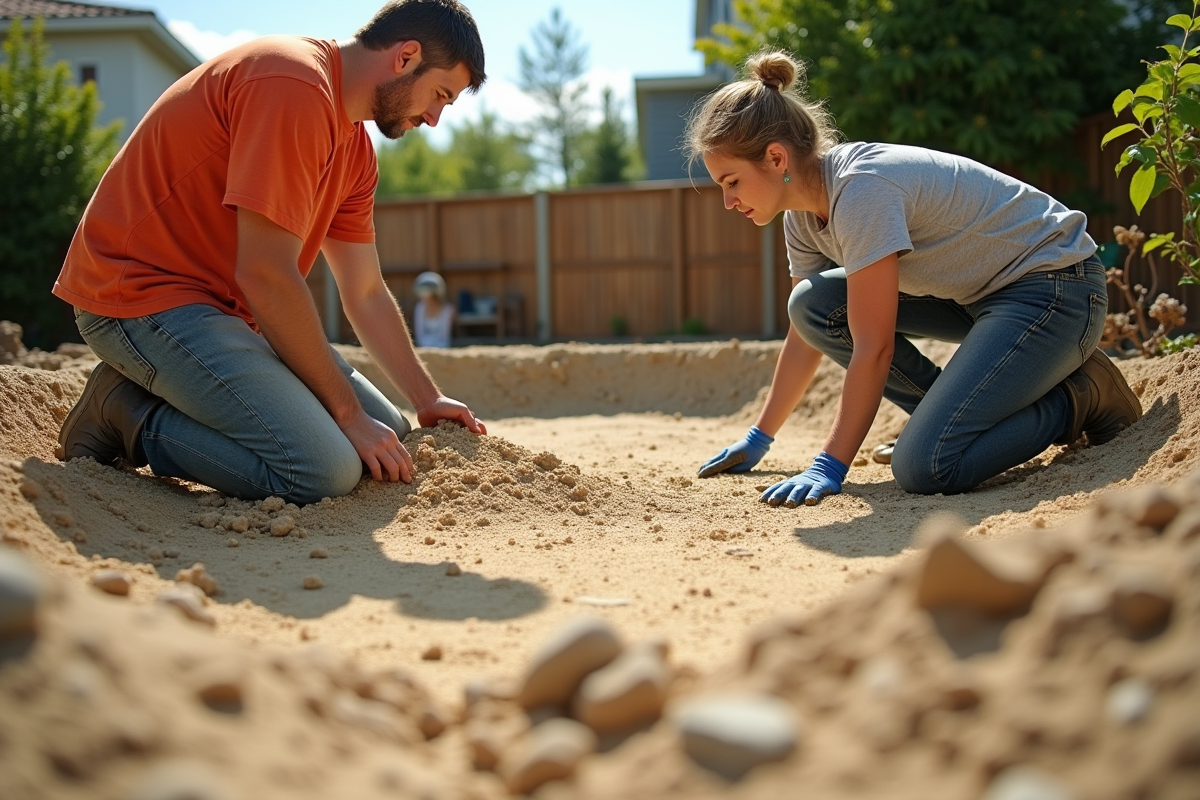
87 74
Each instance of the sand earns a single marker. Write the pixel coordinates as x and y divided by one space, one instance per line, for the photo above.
583 500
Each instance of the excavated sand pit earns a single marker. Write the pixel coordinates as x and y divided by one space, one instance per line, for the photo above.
382 644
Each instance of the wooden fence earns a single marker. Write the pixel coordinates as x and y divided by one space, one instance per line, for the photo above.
651 259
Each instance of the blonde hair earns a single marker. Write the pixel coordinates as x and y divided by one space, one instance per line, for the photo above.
740 119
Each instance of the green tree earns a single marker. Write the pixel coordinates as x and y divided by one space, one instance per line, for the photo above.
609 153
52 158
1001 81
551 76
491 157
412 165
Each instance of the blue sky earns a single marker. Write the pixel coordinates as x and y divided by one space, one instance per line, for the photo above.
626 38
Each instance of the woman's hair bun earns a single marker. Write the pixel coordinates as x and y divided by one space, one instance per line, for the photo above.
774 68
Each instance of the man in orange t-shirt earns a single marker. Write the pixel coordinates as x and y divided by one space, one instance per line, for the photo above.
187 270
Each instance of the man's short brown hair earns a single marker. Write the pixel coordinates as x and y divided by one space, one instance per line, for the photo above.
445 29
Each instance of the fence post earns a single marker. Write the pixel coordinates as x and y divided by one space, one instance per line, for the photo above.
767 262
333 304
678 258
541 213
433 236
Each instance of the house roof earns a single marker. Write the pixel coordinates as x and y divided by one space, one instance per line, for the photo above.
85 18
52 9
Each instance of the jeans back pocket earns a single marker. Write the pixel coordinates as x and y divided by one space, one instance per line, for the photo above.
108 340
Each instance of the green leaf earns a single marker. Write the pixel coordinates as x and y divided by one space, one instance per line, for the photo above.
1120 130
1141 186
1126 97
1164 71
1161 184
1188 110
1152 88
1180 21
1196 23
1188 280
1188 74
1125 161
1157 241
1144 154
1174 52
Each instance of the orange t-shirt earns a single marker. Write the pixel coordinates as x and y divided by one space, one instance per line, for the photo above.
260 127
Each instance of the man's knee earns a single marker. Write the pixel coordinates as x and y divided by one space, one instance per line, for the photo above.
331 470
913 469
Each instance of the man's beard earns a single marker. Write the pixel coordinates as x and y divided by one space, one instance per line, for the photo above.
392 106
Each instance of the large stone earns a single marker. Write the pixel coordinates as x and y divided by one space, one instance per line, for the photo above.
630 691
19 594
732 734
579 648
550 752
995 580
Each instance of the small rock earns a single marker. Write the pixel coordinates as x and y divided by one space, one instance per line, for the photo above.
112 581
1026 783
1141 602
488 739
30 489
739 552
628 692
1129 701
453 569
313 582
318 552
732 734
209 520
995 581
430 722
572 652
550 752
19 595
282 525
233 542
271 504
63 519
222 695
182 780
237 524
198 576
189 599
432 653
603 602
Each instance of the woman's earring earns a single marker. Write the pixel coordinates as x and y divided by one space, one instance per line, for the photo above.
786 178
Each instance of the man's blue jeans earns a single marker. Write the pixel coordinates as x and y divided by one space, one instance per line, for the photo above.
998 401
236 418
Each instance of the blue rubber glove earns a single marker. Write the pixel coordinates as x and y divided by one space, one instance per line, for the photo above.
740 457
824 477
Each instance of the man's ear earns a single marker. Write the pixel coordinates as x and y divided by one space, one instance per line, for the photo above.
406 57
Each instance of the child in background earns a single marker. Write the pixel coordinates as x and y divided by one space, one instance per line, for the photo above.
433 317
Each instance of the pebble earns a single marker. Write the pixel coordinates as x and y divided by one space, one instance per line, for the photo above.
603 602
198 576
282 526
453 570
732 734
575 650
960 573
318 552
112 581
550 752
182 780
487 739
313 582
630 691
272 504
1026 783
209 520
1129 701
223 695
190 602
30 489
1141 601
19 595
739 552
432 653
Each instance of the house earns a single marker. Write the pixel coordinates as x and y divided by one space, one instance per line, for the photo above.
128 52
663 103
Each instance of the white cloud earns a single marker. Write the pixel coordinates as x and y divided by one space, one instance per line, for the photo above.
208 44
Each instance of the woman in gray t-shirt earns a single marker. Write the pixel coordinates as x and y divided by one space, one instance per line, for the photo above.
886 242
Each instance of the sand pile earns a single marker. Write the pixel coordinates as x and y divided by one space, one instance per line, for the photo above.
582 506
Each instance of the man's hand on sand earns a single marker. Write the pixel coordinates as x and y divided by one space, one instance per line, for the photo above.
824 477
739 457
445 408
378 447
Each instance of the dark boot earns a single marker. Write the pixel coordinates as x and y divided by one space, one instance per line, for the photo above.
1102 404
107 420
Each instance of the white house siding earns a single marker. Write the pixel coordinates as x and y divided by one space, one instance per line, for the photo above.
117 58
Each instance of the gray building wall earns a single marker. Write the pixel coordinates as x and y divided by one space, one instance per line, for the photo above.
662 116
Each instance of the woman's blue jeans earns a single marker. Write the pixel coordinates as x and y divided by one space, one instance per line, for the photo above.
236 418
998 402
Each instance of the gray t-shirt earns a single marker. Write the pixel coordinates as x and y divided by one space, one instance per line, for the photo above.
963 230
